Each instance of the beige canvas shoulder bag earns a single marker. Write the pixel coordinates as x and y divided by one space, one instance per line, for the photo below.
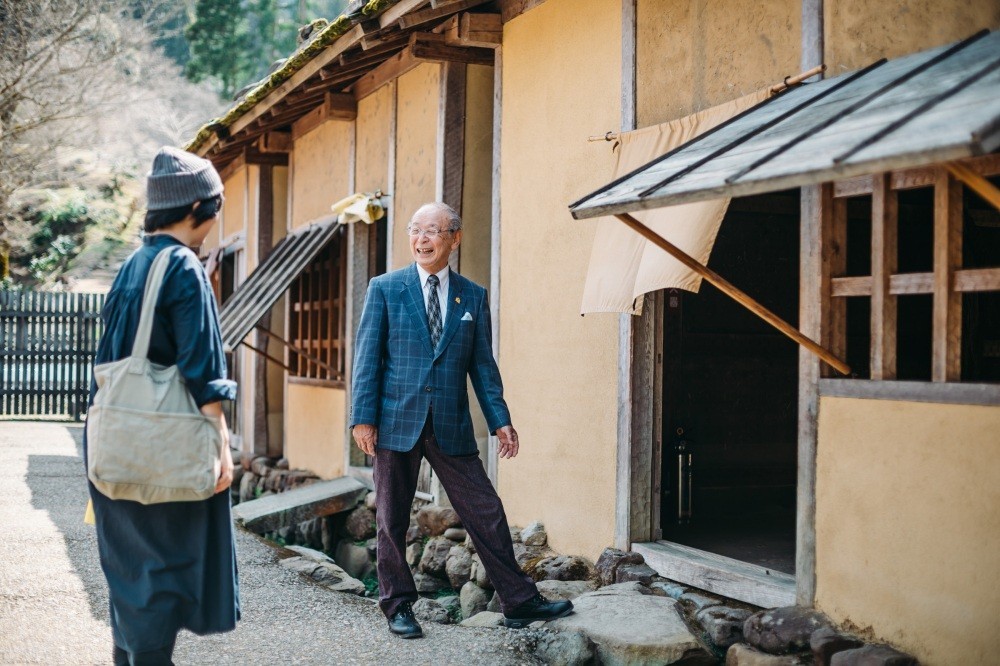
147 441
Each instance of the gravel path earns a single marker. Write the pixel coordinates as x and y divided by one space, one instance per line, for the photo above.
53 600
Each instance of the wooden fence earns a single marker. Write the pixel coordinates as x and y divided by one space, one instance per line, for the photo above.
47 346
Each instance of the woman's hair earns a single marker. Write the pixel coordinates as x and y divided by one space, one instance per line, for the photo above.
160 219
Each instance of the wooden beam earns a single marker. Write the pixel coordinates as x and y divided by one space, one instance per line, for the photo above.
977 279
484 30
391 69
884 257
275 142
334 107
254 156
834 312
423 47
434 51
511 9
340 106
907 284
451 133
984 165
718 574
398 10
814 285
372 42
947 337
328 55
953 393
736 294
419 18
851 286
230 169
984 188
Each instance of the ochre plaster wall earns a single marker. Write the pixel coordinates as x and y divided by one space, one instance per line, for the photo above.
315 424
477 189
561 81
321 161
858 32
376 116
235 206
693 54
908 525
417 105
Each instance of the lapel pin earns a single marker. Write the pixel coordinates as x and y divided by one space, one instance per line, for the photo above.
458 300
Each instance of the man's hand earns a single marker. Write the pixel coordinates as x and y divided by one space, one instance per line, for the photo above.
508 442
366 436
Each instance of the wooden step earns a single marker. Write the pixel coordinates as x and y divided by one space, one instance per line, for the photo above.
722 575
324 498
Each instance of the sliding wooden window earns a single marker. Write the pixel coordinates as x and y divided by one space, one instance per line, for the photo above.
915 266
317 324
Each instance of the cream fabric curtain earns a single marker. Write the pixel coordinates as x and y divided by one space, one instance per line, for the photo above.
623 265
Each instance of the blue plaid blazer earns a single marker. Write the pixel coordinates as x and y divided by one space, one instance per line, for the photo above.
397 376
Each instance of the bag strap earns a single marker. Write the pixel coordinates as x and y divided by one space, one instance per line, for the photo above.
154 279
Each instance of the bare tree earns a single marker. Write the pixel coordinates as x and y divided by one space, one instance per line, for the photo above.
70 69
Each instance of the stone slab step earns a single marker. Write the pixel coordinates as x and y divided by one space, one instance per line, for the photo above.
295 506
633 629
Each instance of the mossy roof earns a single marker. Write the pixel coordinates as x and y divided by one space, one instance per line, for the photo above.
295 62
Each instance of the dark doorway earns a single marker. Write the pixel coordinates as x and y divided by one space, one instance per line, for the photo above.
730 394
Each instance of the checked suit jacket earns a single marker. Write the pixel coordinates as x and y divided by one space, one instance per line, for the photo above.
398 378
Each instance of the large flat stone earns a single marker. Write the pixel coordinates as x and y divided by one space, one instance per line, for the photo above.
633 629
295 506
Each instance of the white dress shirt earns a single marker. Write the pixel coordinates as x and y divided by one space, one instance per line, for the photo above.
442 290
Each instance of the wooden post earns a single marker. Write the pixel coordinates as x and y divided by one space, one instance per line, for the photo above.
834 310
884 262
814 293
736 294
947 339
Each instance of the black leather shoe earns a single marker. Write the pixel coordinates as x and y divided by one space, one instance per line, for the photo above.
403 624
535 609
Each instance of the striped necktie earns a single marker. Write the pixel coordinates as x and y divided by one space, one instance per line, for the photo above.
433 310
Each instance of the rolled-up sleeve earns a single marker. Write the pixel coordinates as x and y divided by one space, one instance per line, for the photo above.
190 305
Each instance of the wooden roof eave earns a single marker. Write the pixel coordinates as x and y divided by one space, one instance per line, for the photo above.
348 62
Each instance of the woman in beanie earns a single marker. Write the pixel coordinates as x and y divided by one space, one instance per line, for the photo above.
170 566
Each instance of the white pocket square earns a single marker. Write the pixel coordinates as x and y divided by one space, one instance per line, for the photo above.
467 316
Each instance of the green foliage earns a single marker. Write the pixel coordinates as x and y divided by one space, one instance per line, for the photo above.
236 42
371 585
59 223
219 44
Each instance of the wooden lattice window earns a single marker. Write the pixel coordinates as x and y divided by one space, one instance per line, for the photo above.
914 265
317 324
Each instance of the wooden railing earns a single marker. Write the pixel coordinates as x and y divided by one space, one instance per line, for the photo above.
47 346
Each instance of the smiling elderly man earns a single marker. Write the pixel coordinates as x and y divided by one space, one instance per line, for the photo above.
425 329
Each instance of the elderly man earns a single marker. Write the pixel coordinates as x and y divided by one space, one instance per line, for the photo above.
425 329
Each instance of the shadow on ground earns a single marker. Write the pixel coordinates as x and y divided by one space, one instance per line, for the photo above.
58 486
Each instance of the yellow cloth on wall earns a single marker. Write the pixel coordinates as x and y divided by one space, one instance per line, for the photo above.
624 265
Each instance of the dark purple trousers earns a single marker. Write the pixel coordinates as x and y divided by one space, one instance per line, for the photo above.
474 500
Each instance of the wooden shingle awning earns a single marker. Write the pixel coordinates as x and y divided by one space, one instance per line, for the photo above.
930 107
273 276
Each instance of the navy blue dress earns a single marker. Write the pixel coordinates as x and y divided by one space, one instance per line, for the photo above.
169 566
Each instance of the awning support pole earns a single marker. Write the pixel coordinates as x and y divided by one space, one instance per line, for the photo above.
326 366
267 356
976 183
739 296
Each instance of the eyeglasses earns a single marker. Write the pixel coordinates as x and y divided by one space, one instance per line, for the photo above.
429 233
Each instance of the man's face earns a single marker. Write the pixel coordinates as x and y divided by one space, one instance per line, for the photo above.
433 243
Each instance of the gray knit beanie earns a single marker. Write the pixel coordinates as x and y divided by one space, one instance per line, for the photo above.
180 178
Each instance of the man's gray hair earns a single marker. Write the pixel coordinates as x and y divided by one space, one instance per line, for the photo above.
454 219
